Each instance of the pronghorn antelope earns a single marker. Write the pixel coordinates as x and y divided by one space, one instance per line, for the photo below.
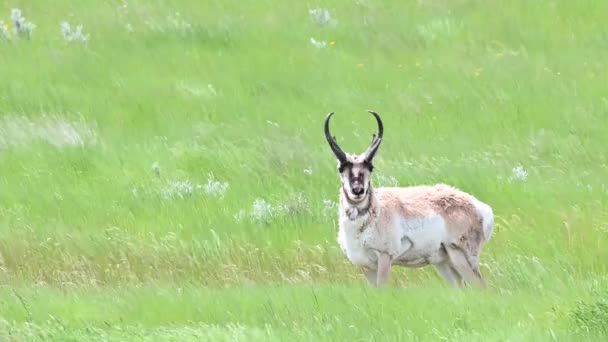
407 226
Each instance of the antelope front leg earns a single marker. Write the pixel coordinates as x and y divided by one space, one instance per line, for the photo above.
384 269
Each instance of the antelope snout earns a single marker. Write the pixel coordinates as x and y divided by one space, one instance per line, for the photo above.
358 190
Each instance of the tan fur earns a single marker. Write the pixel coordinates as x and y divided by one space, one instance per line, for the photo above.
407 226
463 222
453 205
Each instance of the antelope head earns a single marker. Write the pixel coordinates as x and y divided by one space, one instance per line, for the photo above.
355 170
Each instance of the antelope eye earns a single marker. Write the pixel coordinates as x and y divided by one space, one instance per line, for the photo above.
343 166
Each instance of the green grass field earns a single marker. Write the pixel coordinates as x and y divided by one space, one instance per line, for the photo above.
168 180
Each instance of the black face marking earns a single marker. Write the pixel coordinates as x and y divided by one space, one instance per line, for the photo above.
355 177
345 165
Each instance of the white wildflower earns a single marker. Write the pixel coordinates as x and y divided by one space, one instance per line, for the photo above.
16 15
80 36
23 28
129 28
319 44
321 17
178 189
66 30
518 173
216 188
262 210
74 35
308 171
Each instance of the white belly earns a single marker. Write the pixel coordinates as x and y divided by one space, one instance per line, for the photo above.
421 240
411 242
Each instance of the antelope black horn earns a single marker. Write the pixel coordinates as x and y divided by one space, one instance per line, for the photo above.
332 141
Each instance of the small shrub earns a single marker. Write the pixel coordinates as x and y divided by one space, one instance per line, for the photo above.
76 35
21 28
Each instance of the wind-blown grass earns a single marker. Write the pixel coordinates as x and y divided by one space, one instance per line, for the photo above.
169 179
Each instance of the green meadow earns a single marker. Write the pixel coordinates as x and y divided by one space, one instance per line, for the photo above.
164 174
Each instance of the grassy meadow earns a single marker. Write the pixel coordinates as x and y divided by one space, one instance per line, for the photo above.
164 174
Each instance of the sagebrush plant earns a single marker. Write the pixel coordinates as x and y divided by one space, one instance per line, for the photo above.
216 188
22 27
19 27
172 182
75 35
322 17
518 173
262 211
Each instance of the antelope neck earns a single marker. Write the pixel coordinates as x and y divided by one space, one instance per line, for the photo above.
367 203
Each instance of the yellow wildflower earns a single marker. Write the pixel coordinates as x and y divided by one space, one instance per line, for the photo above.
360 65
332 43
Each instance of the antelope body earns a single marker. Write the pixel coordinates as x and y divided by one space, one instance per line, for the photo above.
407 226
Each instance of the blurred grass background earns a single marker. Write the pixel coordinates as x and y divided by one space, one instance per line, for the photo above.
169 179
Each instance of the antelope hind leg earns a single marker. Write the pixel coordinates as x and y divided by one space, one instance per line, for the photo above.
460 262
449 274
